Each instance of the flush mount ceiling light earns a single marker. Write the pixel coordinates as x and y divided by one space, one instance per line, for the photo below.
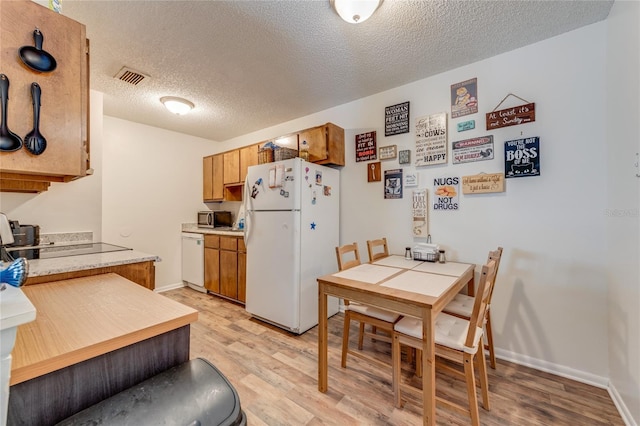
355 11
177 105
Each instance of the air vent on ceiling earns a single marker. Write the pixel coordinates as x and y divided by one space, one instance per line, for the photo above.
131 76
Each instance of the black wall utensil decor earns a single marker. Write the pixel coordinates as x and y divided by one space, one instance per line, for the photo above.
34 141
9 141
36 58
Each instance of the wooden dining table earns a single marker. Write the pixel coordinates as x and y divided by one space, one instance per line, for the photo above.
408 287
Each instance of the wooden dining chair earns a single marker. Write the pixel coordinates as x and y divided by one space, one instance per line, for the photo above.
379 319
462 306
374 247
456 340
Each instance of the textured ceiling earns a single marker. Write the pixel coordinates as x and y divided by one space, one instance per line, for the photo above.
247 65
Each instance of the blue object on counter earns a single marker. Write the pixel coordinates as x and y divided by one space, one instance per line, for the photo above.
241 223
16 273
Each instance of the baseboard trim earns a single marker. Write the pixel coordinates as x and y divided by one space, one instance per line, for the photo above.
169 287
557 369
621 406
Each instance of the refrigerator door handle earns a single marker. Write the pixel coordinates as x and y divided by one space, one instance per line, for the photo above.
247 211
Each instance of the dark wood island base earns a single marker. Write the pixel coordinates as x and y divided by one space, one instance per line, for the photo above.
92 338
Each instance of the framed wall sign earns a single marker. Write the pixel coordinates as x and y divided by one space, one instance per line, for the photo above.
511 116
388 152
366 146
522 157
431 139
464 98
410 179
396 119
483 183
446 193
466 125
419 212
393 184
374 172
476 149
404 156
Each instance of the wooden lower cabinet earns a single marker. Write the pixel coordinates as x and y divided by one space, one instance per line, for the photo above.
142 273
212 263
229 274
225 266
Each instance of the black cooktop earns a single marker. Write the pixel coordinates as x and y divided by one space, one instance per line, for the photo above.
53 251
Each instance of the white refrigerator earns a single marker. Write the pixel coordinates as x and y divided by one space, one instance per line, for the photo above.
291 232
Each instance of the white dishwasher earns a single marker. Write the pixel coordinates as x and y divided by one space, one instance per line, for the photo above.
193 260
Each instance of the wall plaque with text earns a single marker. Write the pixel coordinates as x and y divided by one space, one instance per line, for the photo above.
511 116
366 146
396 119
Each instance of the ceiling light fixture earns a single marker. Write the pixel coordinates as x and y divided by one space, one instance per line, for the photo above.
177 105
355 11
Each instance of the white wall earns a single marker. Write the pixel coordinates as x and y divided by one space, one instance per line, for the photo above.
152 183
66 207
622 203
549 306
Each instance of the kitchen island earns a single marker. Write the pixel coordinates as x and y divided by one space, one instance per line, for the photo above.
92 338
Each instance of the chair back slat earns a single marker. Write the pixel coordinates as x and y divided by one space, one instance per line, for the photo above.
377 249
495 255
487 277
348 256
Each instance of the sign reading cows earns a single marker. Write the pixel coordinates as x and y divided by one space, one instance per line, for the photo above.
431 139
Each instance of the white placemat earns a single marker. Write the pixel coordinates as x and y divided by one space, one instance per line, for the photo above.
398 262
367 273
419 282
453 269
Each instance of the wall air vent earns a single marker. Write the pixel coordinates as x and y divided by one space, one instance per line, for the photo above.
131 76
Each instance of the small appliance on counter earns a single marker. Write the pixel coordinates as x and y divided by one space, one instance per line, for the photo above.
215 219
25 240
25 235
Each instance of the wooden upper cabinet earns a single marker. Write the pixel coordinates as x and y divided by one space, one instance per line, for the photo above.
218 184
212 186
231 167
64 111
248 158
207 178
224 173
326 144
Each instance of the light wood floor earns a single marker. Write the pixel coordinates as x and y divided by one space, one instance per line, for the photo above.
275 374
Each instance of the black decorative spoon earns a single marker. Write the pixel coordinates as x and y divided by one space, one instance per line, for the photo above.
34 141
9 141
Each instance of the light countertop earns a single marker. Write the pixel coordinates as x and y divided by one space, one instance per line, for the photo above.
58 265
192 227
